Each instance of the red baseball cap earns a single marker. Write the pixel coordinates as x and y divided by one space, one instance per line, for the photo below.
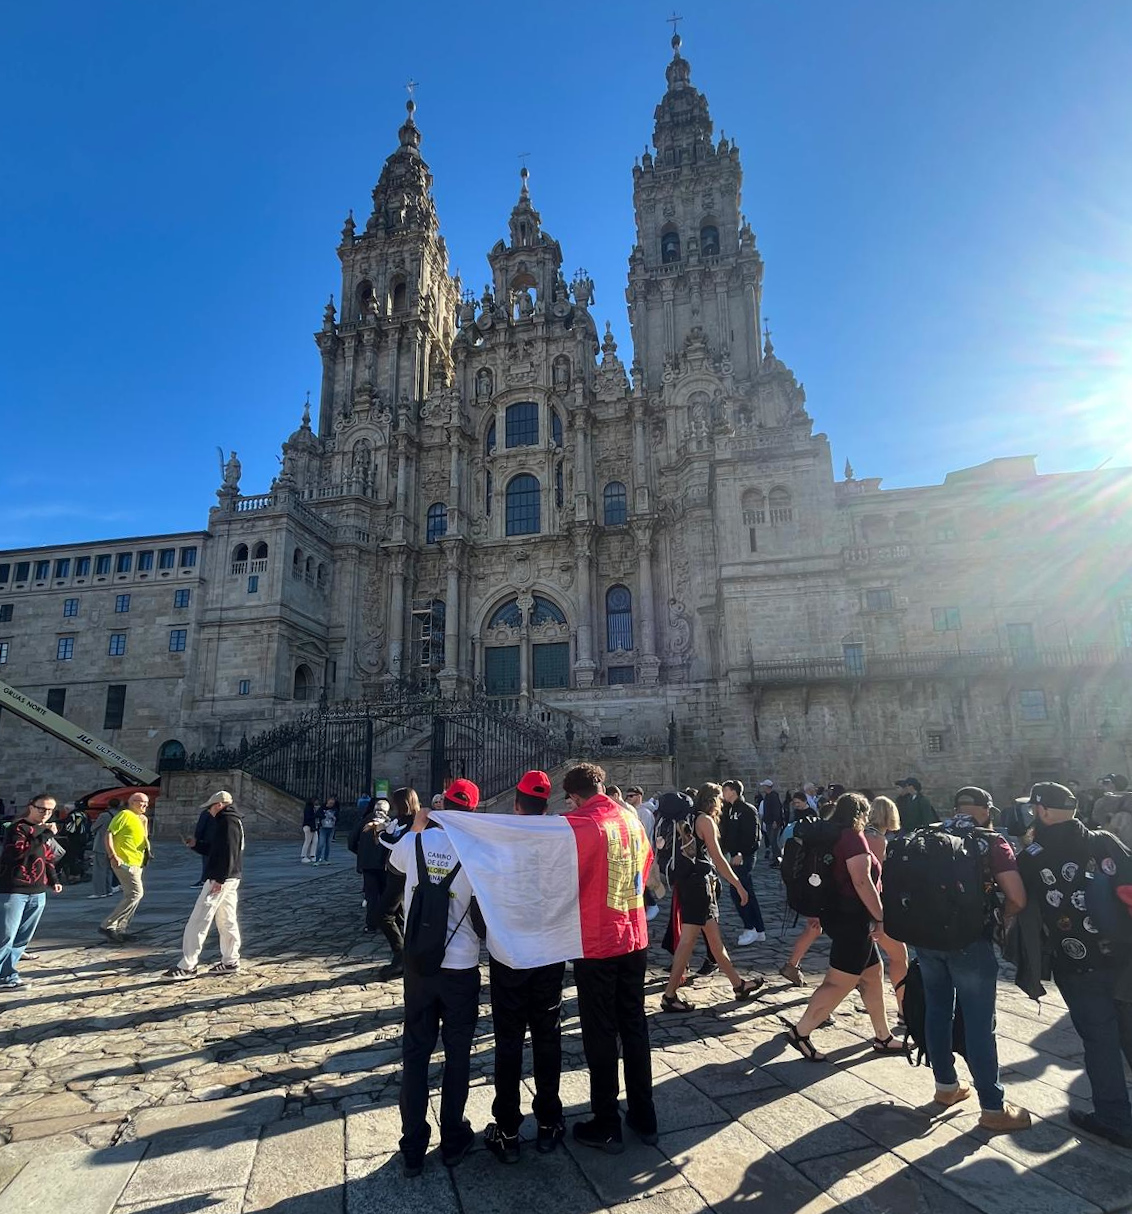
463 792
535 784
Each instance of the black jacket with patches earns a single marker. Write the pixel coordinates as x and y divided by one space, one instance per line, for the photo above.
740 830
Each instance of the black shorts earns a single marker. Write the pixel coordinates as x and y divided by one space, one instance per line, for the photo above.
698 904
851 949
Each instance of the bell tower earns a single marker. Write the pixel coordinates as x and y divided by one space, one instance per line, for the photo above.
694 270
396 317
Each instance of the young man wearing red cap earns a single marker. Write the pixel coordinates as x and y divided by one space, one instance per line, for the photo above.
523 999
448 998
611 977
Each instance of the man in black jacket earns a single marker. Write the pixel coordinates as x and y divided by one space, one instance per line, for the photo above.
740 841
224 847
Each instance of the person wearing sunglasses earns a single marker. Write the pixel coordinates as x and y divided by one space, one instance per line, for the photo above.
27 869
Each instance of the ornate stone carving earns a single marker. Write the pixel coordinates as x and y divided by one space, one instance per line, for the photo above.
679 630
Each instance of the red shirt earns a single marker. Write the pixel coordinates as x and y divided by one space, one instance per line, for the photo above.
614 857
852 843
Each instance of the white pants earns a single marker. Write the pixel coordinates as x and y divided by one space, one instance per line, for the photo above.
209 906
310 838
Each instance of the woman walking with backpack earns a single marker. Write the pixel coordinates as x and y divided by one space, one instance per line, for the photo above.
850 920
699 851
884 822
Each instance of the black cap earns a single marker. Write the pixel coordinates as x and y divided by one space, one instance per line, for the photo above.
909 782
971 795
1052 796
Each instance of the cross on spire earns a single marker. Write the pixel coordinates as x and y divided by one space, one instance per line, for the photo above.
410 85
674 20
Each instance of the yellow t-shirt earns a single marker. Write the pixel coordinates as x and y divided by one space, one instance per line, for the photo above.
127 829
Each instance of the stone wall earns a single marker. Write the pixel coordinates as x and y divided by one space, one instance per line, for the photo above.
268 813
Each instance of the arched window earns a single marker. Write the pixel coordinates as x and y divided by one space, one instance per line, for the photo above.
558 493
507 616
400 297
521 422
546 612
781 510
259 553
488 488
754 515
240 553
171 756
489 440
709 240
364 298
618 618
297 564
615 504
437 524
669 246
321 575
555 428
523 494
304 683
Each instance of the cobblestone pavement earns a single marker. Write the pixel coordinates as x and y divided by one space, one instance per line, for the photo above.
276 1089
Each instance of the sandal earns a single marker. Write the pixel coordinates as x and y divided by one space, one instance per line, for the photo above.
675 1003
803 1045
747 988
886 1046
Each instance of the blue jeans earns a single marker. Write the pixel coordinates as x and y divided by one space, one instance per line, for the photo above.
20 917
771 831
971 974
1105 1027
325 834
750 914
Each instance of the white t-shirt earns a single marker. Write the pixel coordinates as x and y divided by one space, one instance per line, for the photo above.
463 950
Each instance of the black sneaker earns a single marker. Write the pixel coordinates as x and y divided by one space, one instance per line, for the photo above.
451 1156
649 1137
549 1136
505 1147
411 1168
589 1135
1092 1124
180 974
706 970
394 969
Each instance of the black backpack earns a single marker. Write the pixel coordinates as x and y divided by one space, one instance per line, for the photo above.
426 925
935 887
915 1008
677 850
807 867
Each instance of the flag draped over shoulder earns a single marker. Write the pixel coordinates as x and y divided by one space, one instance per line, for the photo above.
553 888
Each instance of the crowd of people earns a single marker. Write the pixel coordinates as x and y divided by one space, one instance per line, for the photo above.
934 894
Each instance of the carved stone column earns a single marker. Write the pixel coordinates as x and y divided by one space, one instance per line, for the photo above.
398 559
584 666
451 670
650 664
526 606
640 465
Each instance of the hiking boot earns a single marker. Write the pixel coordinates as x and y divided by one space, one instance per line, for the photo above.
750 936
451 1155
180 974
1005 1120
549 1136
589 1135
792 974
1092 1124
505 1147
950 1096
394 969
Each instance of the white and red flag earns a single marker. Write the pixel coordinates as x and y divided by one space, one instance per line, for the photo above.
555 888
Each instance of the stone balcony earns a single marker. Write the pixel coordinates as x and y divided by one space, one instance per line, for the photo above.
941 665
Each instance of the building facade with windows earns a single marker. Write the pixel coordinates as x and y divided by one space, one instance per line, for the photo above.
487 500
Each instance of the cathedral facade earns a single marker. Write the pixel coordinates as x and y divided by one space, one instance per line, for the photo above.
487 500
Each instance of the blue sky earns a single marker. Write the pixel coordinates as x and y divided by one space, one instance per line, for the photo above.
942 193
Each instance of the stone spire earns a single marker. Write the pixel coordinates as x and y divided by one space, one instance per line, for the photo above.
402 198
683 123
526 222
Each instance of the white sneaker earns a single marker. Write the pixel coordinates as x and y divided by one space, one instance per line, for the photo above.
305 860
750 936
651 912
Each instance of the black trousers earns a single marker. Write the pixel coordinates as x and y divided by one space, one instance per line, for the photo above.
445 1005
390 915
611 1007
373 886
522 1000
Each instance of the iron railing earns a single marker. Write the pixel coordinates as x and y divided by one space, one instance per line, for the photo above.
936 665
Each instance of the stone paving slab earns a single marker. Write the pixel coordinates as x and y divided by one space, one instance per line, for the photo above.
276 1089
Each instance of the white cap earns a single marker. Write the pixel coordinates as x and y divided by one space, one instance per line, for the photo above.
766 783
219 798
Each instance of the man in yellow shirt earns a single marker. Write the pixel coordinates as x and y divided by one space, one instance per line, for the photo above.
127 844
